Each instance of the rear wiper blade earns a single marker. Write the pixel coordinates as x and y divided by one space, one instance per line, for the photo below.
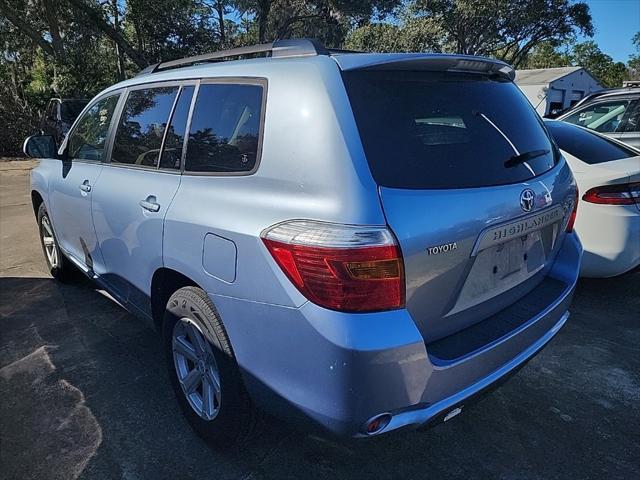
524 157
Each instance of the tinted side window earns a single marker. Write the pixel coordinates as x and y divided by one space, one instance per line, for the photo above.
225 127
142 126
172 152
587 146
603 117
52 110
70 109
632 122
87 141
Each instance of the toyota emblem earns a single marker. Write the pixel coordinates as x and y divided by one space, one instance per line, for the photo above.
527 198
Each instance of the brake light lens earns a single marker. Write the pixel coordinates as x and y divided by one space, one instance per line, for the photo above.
574 212
341 267
622 194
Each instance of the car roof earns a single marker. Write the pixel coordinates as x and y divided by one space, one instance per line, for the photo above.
632 92
259 60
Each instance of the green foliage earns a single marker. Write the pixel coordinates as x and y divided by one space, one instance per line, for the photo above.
412 34
75 48
547 55
633 65
505 29
600 65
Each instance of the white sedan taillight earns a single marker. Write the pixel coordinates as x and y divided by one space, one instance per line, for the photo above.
619 194
342 267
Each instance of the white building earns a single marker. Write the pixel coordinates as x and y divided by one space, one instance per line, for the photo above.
550 89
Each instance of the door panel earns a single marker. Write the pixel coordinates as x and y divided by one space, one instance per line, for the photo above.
71 191
70 199
130 234
135 189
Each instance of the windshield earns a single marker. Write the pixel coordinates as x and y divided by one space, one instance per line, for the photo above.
444 130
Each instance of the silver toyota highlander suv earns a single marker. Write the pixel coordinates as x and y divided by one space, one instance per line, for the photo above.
360 242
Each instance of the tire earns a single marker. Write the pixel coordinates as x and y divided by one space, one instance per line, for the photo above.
58 266
230 417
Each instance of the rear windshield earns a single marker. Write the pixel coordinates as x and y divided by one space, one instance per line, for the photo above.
587 146
444 130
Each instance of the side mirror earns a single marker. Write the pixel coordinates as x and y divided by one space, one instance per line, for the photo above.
40 146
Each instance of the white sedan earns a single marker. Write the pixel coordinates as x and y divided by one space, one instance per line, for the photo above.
608 177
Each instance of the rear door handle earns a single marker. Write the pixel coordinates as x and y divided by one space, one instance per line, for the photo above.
85 187
150 204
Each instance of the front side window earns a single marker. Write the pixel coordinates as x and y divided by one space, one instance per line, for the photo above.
142 125
225 127
604 117
88 139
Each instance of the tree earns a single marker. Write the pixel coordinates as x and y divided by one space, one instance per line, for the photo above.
547 55
503 28
600 65
412 34
327 20
633 65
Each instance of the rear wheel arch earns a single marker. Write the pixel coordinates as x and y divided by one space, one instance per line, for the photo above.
166 282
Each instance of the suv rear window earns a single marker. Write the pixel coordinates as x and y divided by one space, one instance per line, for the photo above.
443 130
586 146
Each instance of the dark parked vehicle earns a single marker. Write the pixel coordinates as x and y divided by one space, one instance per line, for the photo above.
614 112
60 115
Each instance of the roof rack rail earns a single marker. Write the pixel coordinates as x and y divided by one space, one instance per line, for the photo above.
280 48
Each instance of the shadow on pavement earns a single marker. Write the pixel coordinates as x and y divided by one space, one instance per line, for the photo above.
85 394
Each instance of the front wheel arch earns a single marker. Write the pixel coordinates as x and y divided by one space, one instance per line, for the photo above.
36 201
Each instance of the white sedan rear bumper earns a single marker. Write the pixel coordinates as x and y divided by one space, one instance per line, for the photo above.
610 235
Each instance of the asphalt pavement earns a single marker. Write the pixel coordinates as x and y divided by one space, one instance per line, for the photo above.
84 394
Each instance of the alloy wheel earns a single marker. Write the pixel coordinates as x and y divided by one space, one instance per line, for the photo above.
49 242
196 369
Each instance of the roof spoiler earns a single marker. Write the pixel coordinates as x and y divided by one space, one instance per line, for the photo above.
429 62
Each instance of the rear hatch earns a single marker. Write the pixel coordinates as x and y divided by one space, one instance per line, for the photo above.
475 191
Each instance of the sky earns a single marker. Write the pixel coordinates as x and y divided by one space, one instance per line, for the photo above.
615 22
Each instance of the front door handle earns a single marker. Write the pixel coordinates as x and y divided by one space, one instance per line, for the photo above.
85 187
150 204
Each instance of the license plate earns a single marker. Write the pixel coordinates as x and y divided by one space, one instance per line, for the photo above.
501 267
508 255
519 228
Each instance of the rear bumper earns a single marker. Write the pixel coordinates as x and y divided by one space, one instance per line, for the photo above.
338 370
611 238
422 415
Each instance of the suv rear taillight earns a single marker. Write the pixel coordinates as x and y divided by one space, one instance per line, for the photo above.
625 194
342 267
574 212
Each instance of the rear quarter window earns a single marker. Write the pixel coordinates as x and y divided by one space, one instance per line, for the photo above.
587 146
426 130
224 135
